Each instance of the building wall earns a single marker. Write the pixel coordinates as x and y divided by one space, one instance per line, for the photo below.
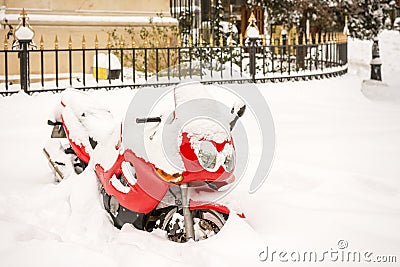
149 7
78 18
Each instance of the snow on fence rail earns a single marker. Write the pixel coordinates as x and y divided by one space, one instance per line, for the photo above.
86 68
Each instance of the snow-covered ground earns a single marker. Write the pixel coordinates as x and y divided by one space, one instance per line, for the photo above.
336 176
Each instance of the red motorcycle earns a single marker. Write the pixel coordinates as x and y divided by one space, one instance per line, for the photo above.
138 188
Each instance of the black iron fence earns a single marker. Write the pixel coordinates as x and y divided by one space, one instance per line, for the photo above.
85 68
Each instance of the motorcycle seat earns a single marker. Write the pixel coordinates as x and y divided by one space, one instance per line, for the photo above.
88 122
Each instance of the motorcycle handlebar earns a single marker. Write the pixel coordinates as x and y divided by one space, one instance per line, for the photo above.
54 123
150 119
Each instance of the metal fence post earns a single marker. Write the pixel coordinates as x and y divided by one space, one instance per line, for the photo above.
301 51
24 34
376 62
24 64
252 55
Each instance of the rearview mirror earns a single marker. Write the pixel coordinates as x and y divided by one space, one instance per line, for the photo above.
238 111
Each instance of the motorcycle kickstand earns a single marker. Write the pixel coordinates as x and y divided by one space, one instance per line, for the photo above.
187 215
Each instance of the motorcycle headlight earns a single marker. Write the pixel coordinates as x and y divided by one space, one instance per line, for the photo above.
207 155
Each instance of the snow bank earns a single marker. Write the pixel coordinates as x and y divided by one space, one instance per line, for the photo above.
380 91
335 177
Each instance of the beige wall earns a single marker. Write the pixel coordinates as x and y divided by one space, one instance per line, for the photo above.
90 6
119 14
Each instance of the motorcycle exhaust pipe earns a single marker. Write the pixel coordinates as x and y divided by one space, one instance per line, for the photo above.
187 215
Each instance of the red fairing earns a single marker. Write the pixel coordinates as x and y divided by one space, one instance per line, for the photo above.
78 148
198 205
118 145
143 196
241 215
194 170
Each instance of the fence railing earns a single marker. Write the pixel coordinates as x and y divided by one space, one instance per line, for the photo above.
56 69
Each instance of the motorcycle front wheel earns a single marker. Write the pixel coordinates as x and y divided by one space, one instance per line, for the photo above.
206 223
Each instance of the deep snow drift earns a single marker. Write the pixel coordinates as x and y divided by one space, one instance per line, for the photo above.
335 177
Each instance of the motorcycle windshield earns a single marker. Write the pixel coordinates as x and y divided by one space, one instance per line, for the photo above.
203 112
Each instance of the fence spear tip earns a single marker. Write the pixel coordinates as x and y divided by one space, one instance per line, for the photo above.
70 42
41 42
121 41
83 41
96 42
56 42
109 41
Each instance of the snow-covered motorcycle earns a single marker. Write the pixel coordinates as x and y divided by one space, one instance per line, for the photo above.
138 182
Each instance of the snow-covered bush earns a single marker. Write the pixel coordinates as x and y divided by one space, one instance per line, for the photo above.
152 36
367 17
396 24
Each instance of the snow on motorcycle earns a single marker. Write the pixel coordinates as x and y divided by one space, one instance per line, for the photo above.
159 168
